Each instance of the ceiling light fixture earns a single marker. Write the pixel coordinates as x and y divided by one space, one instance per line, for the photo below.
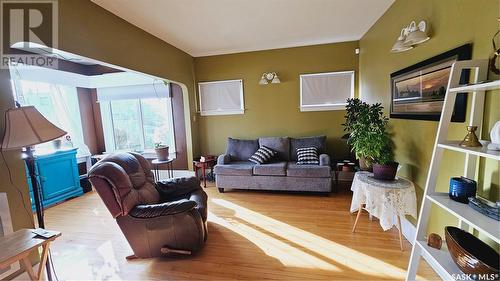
410 36
269 77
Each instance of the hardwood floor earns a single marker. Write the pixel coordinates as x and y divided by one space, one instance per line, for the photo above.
252 235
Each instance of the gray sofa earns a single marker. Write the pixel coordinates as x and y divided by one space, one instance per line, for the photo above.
233 170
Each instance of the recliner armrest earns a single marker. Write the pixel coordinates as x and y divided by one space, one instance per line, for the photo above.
223 159
162 209
324 160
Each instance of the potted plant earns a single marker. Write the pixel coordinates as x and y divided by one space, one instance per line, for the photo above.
368 137
161 151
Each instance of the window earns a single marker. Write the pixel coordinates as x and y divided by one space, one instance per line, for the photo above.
57 103
137 124
221 97
326 91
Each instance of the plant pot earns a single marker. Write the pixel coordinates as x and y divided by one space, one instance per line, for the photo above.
385 172
162 153
364 165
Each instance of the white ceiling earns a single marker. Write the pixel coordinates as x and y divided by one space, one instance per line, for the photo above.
212 27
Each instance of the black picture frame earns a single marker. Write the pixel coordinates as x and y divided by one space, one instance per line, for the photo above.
436 66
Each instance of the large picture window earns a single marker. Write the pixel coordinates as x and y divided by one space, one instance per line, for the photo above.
221 97
135 118
326 91
57 103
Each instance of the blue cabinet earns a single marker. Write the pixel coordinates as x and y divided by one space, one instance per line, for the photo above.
57 174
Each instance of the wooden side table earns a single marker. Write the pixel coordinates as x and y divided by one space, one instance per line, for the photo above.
383 199
18 245
156 165
208 164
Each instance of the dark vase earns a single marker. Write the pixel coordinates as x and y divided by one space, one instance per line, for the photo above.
385 172
461 188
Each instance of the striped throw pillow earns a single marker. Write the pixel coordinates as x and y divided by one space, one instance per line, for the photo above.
307 156
263 155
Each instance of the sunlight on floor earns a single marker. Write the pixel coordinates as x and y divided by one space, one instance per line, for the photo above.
77 263
330 250
286 254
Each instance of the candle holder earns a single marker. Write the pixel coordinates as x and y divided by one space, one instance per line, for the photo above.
471 139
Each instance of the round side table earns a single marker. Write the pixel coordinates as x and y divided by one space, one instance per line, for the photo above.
208 164
383 199
156 165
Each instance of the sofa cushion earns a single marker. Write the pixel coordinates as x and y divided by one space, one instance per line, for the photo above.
319 142
241 150
262 155
307 171
307 156
278 144
237 168
270 169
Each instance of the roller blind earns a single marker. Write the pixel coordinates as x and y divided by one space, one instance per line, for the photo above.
221 97
326 91
145 91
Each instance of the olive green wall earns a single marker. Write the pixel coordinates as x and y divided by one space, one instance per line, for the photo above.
88 30
273 109
452 23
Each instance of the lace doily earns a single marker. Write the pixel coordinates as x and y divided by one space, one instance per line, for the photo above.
384 199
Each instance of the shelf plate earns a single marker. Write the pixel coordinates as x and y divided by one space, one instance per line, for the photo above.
493 85
484 224
440 261
479 151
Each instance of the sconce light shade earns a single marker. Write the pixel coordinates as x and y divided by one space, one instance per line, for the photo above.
269 77
399 46
263 80
416 34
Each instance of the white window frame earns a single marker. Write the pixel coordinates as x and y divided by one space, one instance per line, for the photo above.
109 133
329 106
221 112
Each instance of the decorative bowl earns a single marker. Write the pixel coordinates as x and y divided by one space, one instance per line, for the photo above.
472 255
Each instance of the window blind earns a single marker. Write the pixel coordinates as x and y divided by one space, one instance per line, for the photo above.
221 97
145 91
326 91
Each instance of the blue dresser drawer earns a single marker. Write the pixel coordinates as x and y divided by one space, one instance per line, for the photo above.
58 177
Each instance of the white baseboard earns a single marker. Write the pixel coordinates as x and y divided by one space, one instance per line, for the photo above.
408 229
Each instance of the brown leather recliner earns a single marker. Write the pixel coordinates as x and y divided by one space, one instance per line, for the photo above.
155 217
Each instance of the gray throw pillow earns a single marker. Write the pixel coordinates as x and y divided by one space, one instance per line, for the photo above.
241 150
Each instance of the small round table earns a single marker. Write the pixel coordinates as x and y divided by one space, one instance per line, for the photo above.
383 199
208 164
170 168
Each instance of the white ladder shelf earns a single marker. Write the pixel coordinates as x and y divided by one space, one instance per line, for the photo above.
440 260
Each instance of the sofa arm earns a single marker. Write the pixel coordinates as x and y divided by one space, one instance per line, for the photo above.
162 209
324 160
223 159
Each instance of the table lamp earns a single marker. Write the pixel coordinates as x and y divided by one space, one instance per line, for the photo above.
25 126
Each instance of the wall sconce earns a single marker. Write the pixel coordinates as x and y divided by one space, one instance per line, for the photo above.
410 36
269 77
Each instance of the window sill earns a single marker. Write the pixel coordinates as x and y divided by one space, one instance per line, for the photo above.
326 107
222 112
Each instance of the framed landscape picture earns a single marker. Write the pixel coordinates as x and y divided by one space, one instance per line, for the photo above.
418 91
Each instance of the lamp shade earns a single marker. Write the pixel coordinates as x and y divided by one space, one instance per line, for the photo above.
26 126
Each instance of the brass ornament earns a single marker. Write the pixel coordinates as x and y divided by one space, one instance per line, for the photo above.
471 139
